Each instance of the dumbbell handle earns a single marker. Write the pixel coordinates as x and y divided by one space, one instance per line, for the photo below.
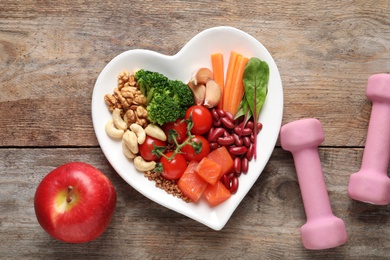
312 184
371 183
322 229
376 154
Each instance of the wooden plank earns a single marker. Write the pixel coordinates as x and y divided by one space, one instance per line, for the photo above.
52 54
265 225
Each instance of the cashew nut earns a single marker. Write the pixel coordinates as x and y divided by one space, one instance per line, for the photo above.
156 132
112 131
129 154
141 165
139 131
118 121
130 140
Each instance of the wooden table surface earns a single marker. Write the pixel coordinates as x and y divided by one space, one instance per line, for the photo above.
51 53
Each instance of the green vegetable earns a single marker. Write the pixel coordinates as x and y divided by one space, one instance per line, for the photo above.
255 79
167 100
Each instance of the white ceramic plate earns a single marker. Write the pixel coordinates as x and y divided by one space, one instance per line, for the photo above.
195 54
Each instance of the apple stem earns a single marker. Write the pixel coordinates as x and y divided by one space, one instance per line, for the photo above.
69 195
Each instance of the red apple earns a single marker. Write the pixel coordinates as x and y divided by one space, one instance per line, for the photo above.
74 203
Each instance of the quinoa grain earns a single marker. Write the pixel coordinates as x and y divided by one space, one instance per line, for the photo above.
169 186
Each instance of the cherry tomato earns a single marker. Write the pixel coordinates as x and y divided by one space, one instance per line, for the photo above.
180 126
190 153
173 169
147 147
201 118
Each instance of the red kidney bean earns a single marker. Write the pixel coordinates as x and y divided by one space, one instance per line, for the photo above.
259 127
237 165
229 116
238 150
230 180
238 129
214 114
230 175
217 123
215 134
210 133
252 138
250 124
243 132
225 141
220 112
237 140
244 165
226 181
246 140
247 131
227 122
234 185
213 145
250 151
237 174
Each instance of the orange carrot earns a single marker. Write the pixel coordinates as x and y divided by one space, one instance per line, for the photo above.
216 194
218 70
229 78
237 86
209 170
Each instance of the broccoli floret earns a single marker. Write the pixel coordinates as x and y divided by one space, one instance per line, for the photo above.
162 110
166 99
148 81
182 93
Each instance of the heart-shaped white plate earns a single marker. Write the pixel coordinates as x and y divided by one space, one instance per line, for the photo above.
195 54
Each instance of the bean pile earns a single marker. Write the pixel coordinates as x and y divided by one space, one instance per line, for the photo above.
237 138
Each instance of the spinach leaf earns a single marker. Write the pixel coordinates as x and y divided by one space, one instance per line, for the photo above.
243 108
256 75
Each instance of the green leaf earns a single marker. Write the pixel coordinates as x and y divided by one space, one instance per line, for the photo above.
242 109
256 75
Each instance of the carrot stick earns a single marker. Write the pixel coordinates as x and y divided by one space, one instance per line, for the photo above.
218 71
237 86
229 78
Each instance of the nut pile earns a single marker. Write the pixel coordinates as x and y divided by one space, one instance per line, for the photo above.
129 100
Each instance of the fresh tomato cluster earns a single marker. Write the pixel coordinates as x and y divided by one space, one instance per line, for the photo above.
185 143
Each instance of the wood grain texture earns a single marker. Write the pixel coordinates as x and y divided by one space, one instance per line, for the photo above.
51 53
265 225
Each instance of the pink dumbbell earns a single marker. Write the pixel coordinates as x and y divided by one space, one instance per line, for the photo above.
322 229
372 184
